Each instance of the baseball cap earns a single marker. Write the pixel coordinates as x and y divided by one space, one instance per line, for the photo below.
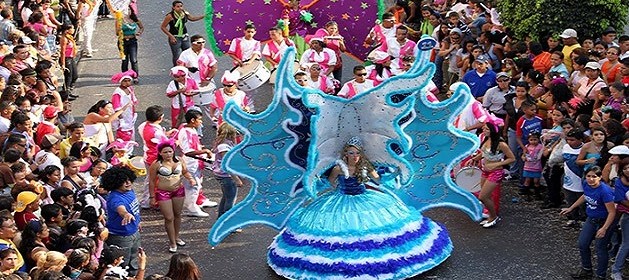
27 40
50 140
619 150
568 33
502 75
50 112
24 199
456 30
482 59
593 65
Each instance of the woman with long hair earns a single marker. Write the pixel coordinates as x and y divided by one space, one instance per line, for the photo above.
33 238
174 26
225 141
595 152
165 181
182 267
98 123
494 156
67 54
130 27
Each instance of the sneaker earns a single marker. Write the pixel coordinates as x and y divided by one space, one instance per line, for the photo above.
172 249
208 203
88 55
199 214
616 275
582 273
181 243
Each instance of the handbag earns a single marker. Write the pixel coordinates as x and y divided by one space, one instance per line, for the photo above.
585 106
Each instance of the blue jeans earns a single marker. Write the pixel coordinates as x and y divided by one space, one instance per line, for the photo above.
182 44
130 245
131 55
516 168
623 251
588 232
230 191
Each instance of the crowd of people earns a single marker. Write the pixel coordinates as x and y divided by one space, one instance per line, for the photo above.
551 116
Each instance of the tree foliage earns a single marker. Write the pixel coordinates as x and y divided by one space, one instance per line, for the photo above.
540 18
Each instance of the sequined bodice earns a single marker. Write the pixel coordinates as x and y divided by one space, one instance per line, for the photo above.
350 185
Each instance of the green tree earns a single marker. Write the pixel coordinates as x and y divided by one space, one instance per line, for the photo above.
540 18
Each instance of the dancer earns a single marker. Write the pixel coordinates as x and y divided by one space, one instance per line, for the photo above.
494 156
174 26
165 182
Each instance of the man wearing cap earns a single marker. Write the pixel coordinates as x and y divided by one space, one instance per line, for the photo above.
569 38
618 153
47 126
27 203
49 153
494 98
8 231
481 78
228 92
318 53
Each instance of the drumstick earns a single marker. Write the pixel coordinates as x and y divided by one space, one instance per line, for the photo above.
206 160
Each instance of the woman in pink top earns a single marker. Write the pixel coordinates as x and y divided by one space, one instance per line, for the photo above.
67 55
334 41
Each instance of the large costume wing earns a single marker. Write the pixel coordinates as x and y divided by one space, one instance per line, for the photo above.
225 19
271 156
436 146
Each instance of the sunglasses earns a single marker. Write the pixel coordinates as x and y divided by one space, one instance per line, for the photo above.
302 81
315 69
224 85
361 74
199 42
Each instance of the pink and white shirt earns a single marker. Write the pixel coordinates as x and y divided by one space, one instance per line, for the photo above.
471 115
244 49
220 99
190 85
323 83
275 51
120 98
188 141
352 88
326 59
203 61
151 135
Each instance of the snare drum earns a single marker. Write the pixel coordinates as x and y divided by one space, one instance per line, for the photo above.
136 164
206 95
252 75
274 72
469 178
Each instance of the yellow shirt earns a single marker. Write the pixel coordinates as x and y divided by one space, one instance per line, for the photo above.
10 244
567 50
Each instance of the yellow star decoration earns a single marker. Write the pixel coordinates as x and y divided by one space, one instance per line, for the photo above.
364 5
227 42
345 16
219 15
240 1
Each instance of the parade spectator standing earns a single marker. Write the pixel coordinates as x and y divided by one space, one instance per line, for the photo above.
131 27
86 15
8 231
7 26
569 38
123 212
174 26
495 97
481 79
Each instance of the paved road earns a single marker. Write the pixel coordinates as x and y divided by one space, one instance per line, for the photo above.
528 244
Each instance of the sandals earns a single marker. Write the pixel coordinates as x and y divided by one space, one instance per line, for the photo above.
172 249
181 242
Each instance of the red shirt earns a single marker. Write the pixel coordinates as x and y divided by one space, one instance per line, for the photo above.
22 218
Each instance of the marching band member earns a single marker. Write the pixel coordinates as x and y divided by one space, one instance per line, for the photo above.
228 92
318 53
274 50
381 32
245 50
358 85
201 66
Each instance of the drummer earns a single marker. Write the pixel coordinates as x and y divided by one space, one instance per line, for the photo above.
358 85
318 53
228 92
201 66
398 48
381 32
316 80
274 50
180 90
245 50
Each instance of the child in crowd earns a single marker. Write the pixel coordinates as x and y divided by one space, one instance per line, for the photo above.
190 144
527 124
532 170
225 141
48 125
572 175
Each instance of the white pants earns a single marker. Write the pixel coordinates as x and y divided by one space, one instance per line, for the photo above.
192 193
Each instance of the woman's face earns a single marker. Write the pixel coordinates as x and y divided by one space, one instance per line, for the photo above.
107 110
99 168
612 54
315 45
598 137
625 171
592 179
44 233
9 262
315 70
591 73
557 117
552 43
425 14
616 94
73 167
352 155
178 7
468 47
434 21
520 91
55 177
167 153
476 52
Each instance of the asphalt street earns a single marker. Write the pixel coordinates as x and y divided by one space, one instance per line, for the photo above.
528 244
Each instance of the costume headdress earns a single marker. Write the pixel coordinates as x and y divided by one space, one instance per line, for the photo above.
230 77
118 77
166 143
355 142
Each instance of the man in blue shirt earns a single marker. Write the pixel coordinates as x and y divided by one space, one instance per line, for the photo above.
481 78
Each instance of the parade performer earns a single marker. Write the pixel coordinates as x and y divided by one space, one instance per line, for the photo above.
358 85
382 32
180 90
274 50
316 80
201 66
318 53
228 92
365 221
334 41
399 48
382 69
243 51
123 95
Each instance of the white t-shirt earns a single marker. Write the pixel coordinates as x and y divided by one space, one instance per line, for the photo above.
571 179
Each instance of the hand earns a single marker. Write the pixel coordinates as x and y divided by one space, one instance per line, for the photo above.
127 219
193 182
152 201
565 211
600 233
141 258
172 39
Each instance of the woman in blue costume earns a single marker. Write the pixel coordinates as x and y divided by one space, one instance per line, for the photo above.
357 230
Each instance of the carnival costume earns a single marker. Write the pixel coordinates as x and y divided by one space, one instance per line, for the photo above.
361 229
